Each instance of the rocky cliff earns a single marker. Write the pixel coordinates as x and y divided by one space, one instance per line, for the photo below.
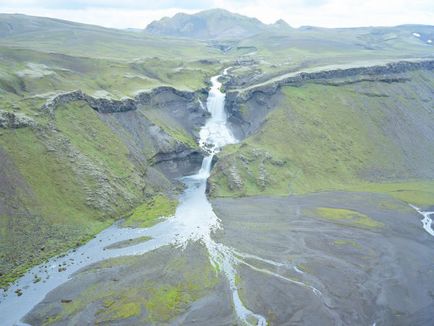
360 128
79 162
248 108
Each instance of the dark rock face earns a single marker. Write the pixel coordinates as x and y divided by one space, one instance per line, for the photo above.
185 107
174 158
259 105
383 73
158 95
183 162
14 120
98 104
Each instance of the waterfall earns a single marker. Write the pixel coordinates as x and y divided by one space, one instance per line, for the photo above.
194 220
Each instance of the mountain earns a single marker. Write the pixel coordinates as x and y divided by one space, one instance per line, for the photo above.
208 24
280 23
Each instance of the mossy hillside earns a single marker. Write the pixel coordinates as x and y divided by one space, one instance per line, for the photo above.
27 74
324 137
151 211
80 177
48 176
96 140
55 215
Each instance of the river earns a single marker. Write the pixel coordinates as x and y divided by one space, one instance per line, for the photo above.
194 220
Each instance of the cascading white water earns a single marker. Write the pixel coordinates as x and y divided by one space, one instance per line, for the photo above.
426 221
213 136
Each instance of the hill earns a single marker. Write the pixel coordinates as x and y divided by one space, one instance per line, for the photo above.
209 24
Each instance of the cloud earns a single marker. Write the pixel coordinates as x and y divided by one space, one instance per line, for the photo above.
107 4
327 13
107 17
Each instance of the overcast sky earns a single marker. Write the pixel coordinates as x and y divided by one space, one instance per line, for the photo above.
138 13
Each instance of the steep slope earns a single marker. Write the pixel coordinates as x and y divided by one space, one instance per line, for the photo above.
76 164
360 132
209 24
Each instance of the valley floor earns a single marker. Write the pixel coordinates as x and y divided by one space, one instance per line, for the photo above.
368 262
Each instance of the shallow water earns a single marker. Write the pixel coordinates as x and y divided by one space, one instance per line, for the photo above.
427 220
194 220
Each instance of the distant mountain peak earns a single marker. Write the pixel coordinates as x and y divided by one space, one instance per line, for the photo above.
281 23
208 24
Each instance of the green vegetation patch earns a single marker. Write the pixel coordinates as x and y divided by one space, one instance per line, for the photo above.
126 310
58 217
151 211
345 242
420 193
149 289
128 243
93 137
58 193
170 126
348 217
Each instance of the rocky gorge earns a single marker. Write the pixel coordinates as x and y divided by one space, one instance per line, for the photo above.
158 154
267 175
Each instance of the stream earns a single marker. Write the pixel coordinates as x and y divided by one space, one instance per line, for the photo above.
426 221
194 220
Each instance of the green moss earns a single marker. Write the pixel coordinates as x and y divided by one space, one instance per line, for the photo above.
166 301
149 212
126 310
128 243
348 217
181 136
93 138
420 193
345 242
57 217
170 126
303 267
58 193
56 173
154 300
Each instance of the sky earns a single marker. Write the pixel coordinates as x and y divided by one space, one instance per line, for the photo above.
139 13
